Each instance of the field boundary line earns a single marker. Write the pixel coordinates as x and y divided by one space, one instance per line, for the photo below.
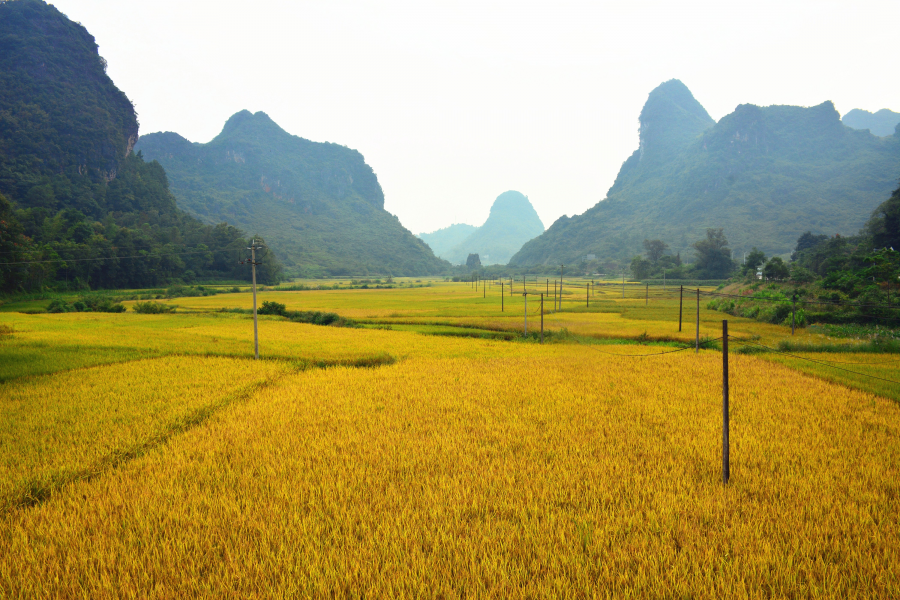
38 490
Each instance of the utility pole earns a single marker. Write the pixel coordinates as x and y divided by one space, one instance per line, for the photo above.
525 295
501 295
587 295
542 318
793 313
561 267
726 466
253 247
554 296
680 303
698 321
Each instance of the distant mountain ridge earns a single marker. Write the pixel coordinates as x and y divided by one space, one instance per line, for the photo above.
443 241
319 205
764 174
511 222
882 123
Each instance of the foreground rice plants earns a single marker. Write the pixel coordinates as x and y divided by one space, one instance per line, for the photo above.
565 474
146 456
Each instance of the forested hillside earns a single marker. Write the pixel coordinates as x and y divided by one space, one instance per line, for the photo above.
763 174
78 206
319 205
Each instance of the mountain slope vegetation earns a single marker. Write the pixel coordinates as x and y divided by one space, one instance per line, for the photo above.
763 174
319 205
78 205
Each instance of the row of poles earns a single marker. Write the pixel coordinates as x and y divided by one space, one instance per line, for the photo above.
726 458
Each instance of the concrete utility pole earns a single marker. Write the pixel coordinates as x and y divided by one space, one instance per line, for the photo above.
542 318
525 294
561 267
253 248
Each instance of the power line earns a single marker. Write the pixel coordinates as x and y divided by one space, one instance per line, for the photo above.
827 364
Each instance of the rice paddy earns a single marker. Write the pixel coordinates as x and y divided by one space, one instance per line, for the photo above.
423 456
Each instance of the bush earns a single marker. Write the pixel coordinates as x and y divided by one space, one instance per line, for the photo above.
58 306
272 308
152 308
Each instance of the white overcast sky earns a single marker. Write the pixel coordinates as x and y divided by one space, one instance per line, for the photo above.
453 103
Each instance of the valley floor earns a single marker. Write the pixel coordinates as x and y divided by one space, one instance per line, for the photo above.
150 456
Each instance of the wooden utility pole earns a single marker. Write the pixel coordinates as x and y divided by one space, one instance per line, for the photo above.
561 267
698 321
793 313
680 303
525 295
542 318
554 296
726 467
587 295
501 296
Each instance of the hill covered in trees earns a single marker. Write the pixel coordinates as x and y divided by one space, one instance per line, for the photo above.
882 123
443 241
319 205
763 174
76 204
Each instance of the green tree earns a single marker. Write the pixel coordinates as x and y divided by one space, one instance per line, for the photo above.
640 267
713 255
655 250
754 260
776 269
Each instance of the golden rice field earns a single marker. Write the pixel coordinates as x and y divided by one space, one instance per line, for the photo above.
149 456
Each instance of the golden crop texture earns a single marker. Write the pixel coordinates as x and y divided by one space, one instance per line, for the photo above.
562 472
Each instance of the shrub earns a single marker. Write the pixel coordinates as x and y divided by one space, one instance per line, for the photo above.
152 308
272 308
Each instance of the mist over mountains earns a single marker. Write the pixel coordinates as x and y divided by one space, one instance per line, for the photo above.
764 174
512 222
444 241
319 205
882 123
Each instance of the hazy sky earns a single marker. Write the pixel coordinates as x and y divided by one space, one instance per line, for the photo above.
453 103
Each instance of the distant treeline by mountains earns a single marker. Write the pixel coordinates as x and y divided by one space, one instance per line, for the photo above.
319 205
76 204
763 174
